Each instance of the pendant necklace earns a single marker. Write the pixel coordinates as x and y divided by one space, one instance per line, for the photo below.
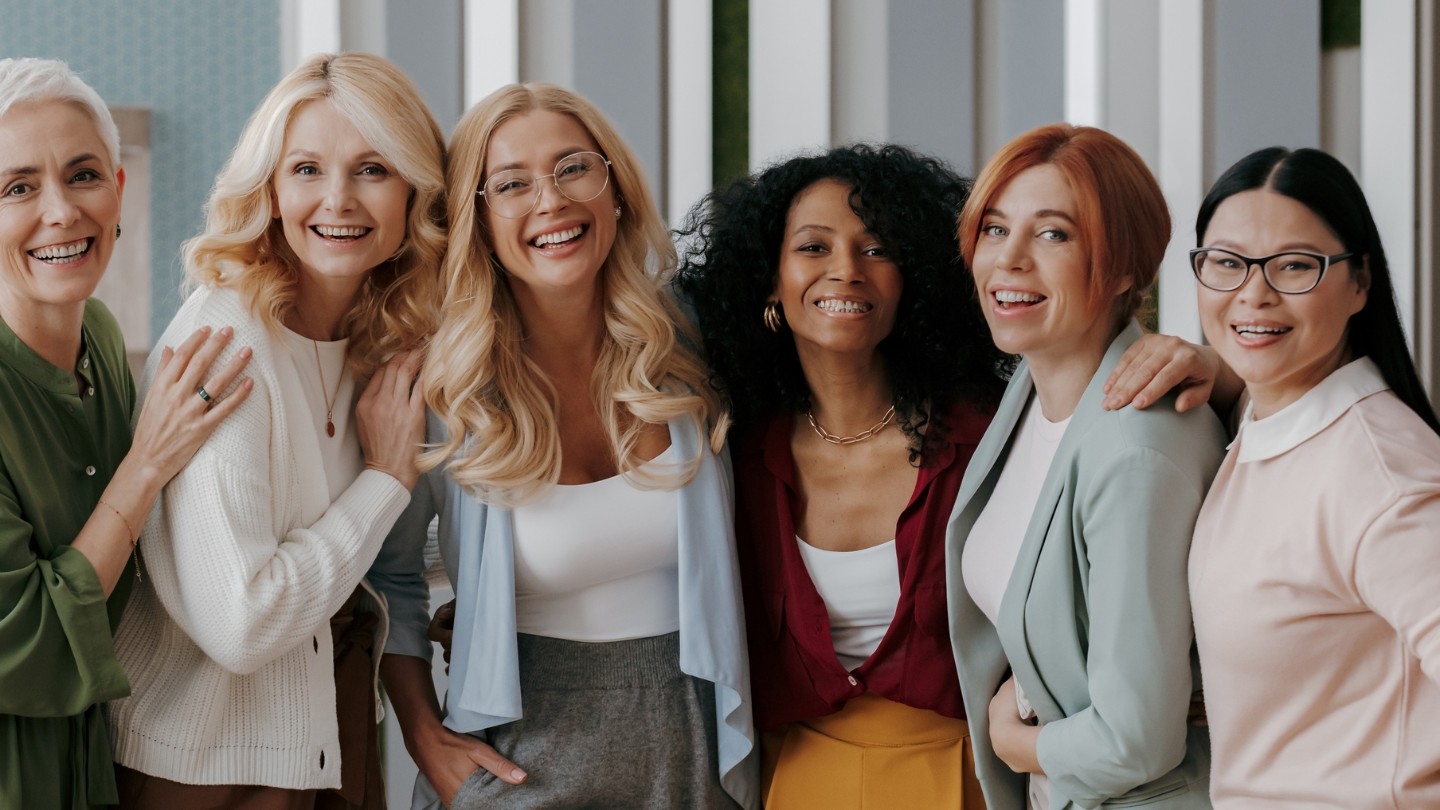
329 399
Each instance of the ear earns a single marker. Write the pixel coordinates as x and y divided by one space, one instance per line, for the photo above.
120 182
1361 278
274 199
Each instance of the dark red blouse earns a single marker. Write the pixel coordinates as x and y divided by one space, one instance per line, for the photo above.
795 674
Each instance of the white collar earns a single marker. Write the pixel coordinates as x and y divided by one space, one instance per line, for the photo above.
1314 411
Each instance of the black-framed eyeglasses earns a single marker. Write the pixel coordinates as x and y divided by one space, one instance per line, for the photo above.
581 177
1291 273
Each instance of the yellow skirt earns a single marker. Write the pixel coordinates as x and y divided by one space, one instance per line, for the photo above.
874 753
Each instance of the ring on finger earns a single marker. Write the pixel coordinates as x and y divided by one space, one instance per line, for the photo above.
203 394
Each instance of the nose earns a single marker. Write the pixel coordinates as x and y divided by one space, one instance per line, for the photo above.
1012 255
339 193
1256 290
59 209
845 266
548 195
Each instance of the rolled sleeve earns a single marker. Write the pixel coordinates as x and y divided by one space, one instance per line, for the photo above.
399 574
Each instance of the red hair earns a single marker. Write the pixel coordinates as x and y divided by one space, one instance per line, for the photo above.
1122 216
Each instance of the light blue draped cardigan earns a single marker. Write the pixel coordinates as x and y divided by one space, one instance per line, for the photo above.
477 545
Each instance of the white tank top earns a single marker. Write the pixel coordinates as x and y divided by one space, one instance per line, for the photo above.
861 590
599 561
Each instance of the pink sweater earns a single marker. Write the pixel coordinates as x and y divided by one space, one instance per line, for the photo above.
1315 581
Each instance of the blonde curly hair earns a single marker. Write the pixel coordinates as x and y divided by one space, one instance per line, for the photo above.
243 245
497 405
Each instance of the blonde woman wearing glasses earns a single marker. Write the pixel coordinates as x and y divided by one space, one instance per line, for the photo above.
1312 572
251 644
584 512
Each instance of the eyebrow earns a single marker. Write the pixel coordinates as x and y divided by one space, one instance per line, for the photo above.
1041 214
823 228
559 156
306 153
30 171
1289 247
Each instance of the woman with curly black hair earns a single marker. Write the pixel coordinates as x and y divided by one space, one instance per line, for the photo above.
828 292
833 305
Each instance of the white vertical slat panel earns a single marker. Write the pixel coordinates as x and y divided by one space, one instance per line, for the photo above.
689 107
492 47
860 71
307 27
789 78
1083 73
1388 136
1183 147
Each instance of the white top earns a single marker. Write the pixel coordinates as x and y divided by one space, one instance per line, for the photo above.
861 590
598 561
245 557
994 542
339 454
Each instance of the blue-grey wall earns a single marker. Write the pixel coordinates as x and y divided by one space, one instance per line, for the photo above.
200 66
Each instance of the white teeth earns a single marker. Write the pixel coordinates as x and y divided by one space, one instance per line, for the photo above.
69 250
836 305
332 232
557 237
1254 329
1016 297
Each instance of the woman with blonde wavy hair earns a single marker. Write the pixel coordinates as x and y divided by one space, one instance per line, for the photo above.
584 512
250 642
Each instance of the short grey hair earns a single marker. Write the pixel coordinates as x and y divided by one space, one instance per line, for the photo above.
28 81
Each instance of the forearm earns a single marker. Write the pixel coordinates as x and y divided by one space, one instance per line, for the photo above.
412 694
108 537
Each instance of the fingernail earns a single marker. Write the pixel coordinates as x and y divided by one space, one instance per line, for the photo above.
205 329
246 352
227 331
517 774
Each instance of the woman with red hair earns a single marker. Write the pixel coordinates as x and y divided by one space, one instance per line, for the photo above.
1071 625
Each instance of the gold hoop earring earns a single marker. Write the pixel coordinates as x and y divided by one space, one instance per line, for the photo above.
773 318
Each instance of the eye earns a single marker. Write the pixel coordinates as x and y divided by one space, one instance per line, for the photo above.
1298 264
19 190
1054 235
85 176
571 171
306 170
993 230
508 185
810 247
374 170
1227 262
877 251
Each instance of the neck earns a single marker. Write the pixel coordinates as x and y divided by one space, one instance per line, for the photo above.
848 395
53 332
563 333
1061 378
320 309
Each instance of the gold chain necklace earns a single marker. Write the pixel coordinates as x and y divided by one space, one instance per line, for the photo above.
858 437
330 399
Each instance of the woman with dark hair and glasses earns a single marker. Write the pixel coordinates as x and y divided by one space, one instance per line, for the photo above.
1312 571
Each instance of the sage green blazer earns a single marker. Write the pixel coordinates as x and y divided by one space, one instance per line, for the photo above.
1095 621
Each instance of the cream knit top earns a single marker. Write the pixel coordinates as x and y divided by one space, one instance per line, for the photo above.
227 639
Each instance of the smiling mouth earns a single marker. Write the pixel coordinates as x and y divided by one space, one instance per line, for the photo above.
1015 299
559 238
338 234
67 253
844 307
1251 330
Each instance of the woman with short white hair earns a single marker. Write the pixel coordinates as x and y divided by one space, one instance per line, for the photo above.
74 486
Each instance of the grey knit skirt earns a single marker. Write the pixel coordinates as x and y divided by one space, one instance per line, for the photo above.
607 725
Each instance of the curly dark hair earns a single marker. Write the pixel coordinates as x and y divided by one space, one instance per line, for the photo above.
939 353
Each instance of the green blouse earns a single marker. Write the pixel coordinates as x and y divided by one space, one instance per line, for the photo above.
59 445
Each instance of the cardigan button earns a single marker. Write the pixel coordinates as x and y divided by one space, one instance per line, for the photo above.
852 680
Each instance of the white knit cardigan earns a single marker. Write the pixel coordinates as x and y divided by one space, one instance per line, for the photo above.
227 639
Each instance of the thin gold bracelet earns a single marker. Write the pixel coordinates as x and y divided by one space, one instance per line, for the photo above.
131 533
